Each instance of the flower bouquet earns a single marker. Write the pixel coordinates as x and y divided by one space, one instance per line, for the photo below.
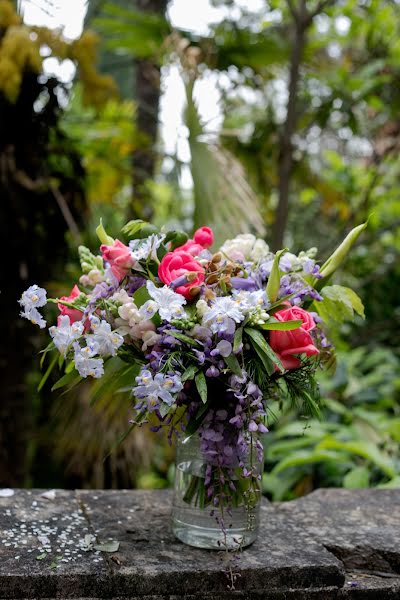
204 340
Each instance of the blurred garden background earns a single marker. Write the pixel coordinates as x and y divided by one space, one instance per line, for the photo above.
279 118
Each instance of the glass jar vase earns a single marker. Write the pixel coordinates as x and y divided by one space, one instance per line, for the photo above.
216 507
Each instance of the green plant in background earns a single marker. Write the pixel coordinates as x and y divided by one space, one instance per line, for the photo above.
356 444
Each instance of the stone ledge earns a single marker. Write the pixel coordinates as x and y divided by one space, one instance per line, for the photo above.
331 544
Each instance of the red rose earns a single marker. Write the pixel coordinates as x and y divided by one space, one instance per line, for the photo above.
179 264
296 341
73 313
120 258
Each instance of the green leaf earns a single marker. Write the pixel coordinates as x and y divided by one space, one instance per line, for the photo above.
237 340
305 457
189 373
201 385
357 478
392 484
217 173
274 280
66 379
233 364
48 348
338 256
259 343
367 450
339 304
107 547
165 409
281 325
48 371
103 236
141 296
133 227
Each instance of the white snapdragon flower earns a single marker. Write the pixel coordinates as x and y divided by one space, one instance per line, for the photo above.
150 338
65 333
121 297
165 301
222 315
130 312
32 299
201 308
85 364
245 246
146 249
106 340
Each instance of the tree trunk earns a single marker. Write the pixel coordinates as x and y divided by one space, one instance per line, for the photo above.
286 150
147 96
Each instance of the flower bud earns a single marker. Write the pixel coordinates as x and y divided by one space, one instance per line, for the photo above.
212 279
194 291
191 276
217 257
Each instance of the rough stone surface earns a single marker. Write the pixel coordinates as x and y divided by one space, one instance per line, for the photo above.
360 527
332 544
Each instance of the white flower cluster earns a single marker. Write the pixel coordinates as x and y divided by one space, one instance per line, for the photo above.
245 247
132 323
253 305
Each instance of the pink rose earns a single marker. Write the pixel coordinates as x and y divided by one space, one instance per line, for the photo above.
296 341
120 258
204 236
178 264
192 247
73 313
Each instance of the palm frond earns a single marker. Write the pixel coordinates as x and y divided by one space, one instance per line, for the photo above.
223 197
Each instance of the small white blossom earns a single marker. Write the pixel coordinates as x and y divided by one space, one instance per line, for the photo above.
248 302
106 340
150 338
146 249
32 299
201 308
64 334
85 364
165 301
130 312
222 315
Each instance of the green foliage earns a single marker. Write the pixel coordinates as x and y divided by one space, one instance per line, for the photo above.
132 32
356 444
339 304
